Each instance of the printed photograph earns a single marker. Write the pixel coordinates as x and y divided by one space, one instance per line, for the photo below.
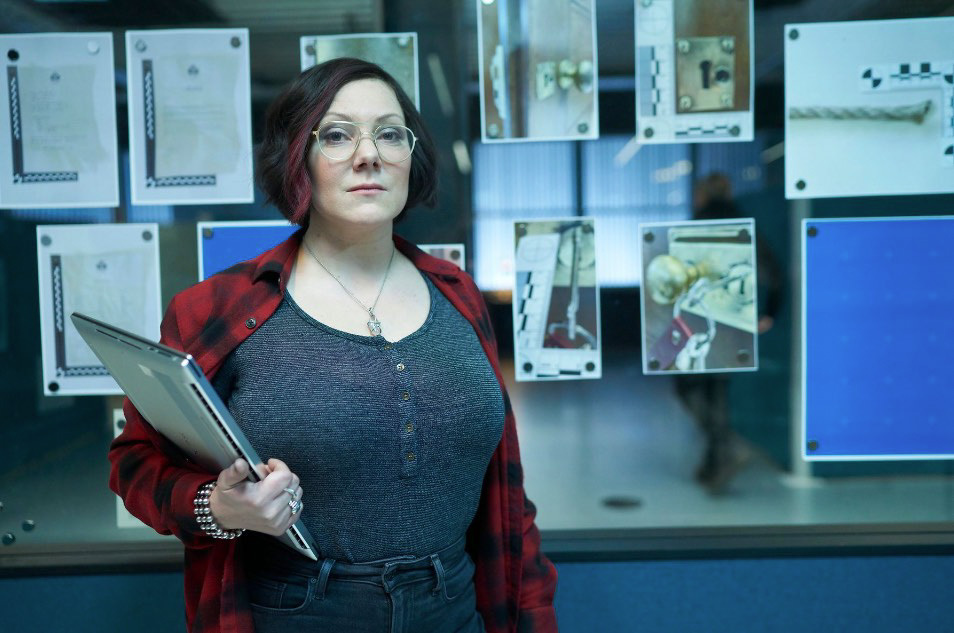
538 70
556 300
694 65
698 296
869 108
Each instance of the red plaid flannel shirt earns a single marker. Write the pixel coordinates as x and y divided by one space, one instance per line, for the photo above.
515 581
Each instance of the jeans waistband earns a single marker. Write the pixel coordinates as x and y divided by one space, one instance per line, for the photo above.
387 572
297 564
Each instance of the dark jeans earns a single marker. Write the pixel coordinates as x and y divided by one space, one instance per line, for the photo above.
397 595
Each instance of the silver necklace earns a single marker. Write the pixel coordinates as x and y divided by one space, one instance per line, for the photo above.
374 325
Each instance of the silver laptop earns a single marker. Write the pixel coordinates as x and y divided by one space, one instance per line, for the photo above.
171 392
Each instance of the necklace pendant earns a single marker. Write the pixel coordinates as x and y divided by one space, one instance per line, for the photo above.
374 326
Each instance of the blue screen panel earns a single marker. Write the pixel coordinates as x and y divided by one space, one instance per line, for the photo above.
878 339
222 244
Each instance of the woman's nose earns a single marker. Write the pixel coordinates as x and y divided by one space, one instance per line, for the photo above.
366 151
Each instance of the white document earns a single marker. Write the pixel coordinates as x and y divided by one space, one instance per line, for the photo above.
869 108
58 131
394 52
189 116
107 271
694 71
556 300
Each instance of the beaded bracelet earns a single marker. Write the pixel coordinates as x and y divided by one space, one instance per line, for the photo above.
203 514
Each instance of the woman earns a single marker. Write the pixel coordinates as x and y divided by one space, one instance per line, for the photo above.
366 372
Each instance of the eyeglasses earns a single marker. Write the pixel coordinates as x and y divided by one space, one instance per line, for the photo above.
338 140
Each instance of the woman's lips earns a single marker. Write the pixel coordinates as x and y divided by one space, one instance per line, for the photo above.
367 190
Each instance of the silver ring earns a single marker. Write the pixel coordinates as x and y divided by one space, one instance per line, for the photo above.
290 491
295 507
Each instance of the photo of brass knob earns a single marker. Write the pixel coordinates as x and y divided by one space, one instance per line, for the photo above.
668 277
571 74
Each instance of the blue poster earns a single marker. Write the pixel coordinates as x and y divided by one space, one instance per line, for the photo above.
878 342
223 244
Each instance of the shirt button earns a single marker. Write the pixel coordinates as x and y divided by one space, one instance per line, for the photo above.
410 457
400 366
409 427
250 323
405 396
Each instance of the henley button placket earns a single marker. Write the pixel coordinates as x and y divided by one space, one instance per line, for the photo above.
407 437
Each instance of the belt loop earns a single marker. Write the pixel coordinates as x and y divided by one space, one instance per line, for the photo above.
323 575
387 575
438 571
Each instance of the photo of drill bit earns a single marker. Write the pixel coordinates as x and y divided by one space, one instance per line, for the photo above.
869 108
556 306
538 70
698 298
694 66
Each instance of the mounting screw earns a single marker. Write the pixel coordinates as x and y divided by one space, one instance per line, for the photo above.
648 132
800 185
28 525
685 102
793 34
235 42
735 130
653 364
813 445
309 49
9 539
683 46
590 366
648 237
493 130
140 46
527 367
812 231
728 44
582 128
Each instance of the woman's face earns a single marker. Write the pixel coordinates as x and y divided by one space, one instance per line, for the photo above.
362 189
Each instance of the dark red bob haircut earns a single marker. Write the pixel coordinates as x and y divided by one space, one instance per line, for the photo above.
282 156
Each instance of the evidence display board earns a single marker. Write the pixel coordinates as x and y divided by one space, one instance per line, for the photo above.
877 300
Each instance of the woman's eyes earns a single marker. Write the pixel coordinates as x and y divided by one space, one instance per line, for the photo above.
390 134
335 135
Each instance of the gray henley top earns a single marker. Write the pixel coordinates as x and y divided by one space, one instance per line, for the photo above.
390 439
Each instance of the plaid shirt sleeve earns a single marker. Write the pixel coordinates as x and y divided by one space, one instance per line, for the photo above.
156 488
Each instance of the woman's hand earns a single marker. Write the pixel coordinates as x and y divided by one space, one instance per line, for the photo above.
237 503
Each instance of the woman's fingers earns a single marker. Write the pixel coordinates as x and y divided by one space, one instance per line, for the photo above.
234 474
